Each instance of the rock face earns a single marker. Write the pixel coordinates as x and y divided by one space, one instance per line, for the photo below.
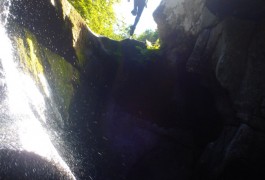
26 165
226 50
179 22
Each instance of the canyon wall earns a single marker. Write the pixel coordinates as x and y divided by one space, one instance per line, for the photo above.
194 109
222 42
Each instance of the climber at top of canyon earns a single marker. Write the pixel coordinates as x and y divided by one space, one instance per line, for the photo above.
137 11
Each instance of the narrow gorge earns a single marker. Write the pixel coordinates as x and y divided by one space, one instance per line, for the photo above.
76 105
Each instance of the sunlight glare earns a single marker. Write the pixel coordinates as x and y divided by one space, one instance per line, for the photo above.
53 2
123 12
45 85
34 139
26 105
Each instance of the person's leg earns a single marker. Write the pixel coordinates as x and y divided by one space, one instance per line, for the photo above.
136 6
139 13
137 18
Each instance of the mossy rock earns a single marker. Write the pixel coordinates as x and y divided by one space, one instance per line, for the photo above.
39 62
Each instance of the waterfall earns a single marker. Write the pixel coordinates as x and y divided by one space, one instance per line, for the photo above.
23 111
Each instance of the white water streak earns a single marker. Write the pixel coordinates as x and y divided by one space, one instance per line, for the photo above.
26 104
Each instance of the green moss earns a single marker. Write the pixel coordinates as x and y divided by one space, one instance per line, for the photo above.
37 60
81 57
29 56
63 75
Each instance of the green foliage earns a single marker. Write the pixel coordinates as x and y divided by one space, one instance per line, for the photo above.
149 35
99 15
151 45
151 38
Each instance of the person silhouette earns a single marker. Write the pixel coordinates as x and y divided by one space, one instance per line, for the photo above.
137 11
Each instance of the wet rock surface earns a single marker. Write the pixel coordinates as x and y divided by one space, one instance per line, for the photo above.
17 164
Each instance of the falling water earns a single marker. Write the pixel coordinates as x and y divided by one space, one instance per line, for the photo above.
22 105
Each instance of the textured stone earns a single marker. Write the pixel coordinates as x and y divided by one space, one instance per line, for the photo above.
27 165
244 9
225 47
195 59
231 54
179 22
238 153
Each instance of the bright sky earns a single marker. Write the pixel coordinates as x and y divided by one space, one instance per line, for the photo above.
124 9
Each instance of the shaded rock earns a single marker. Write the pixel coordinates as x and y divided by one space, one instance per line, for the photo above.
195 58
237 154
26 165
227 56
179 22
130 102
52 29
244 9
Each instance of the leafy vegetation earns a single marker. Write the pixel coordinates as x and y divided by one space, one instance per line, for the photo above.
151 38
99 16
155 45
150 35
